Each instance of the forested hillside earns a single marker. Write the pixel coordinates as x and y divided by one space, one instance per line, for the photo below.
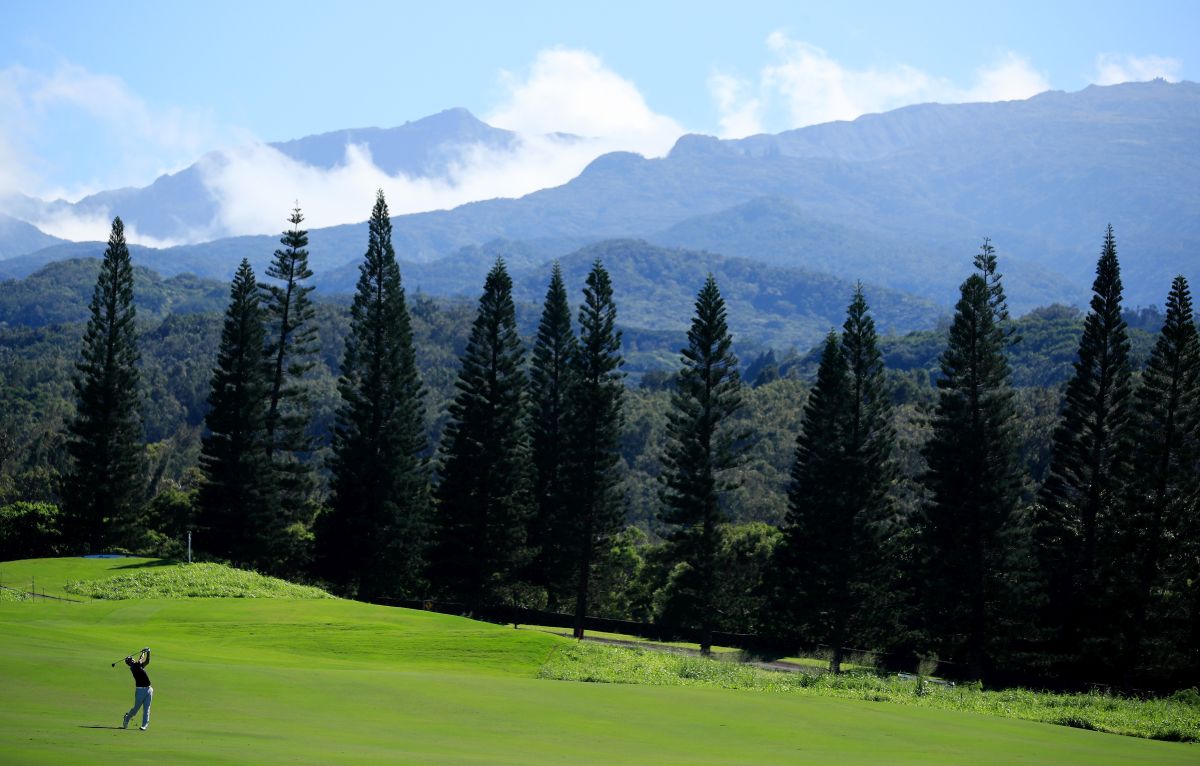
43 318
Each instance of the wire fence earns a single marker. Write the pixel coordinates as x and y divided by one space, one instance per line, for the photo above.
33 595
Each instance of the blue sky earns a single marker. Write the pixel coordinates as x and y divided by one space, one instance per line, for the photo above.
98 95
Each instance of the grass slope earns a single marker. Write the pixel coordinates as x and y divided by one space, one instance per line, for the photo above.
322 681
194 581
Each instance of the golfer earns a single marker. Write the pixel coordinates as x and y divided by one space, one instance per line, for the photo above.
144 692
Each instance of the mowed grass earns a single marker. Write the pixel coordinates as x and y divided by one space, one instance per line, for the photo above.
318 681
52 576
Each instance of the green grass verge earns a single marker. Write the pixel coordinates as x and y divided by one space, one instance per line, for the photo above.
808 662
1164 719
821 663
626 637
320 681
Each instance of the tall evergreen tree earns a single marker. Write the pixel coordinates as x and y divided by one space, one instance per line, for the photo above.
870 434
594 402
809 572
372 540
237 502
1081 496
1157 530
703 446
103 487
835 587
549 383
970 526
290 353
484 498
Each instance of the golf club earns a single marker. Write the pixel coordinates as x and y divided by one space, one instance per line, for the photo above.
130 655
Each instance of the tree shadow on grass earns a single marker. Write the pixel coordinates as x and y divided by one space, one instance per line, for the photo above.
145 564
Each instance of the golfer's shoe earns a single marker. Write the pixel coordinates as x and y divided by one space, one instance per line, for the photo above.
125 722
143 728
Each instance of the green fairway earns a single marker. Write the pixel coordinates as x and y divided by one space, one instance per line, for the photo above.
251 681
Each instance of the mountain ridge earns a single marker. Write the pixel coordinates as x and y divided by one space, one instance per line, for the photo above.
179 205
1042 177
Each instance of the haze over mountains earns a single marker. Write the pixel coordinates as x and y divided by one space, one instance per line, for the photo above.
899 200
187 206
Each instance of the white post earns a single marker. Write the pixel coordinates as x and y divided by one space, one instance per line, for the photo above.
189 546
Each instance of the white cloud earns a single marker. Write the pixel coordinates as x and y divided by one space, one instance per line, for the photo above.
15 170
565 91
1112 68
91 226
256 185
1009 78
740 114
572 91
804 85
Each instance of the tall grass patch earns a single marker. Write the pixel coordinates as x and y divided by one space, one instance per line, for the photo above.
192 581
1172 719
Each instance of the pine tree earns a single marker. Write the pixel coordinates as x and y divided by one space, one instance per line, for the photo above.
835 587
1157 530
702 450
289 354
103 487
484 498
595 399
870 434
1081 496
372 539
549 383
970 528
237 502
807 569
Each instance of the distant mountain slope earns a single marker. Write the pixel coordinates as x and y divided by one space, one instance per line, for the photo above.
179 206
425 147
778 232
958 131
1045 175
19 238
1041 177
901 199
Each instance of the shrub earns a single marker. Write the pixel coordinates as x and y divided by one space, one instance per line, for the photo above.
29 530
192 581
